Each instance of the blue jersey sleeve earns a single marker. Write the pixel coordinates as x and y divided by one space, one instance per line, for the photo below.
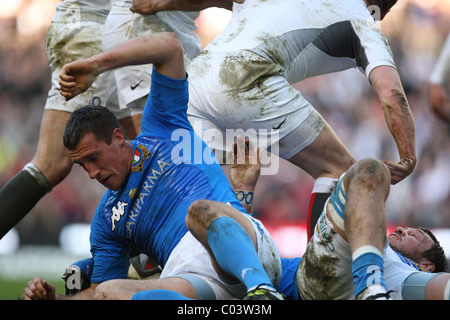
111 255
166 107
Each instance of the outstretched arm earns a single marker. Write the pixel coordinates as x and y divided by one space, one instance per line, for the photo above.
399 119
154 6
163 50
438 288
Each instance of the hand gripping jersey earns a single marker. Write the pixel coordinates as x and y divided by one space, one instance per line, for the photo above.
172 168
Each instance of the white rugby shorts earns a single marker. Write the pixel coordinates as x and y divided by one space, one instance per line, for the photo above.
133 82
67 42
325 271
190 258
221 103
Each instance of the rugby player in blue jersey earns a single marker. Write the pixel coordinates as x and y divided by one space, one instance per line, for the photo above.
161 185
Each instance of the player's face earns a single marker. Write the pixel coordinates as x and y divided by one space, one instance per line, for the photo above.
410 242
103 162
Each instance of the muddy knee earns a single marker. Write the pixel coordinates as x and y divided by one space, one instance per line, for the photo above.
200 212
371 172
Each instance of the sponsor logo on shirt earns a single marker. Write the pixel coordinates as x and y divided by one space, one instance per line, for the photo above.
140 198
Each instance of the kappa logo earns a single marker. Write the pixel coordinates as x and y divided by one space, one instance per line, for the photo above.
117 213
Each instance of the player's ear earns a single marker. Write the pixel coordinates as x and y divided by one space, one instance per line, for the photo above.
428 265
118 136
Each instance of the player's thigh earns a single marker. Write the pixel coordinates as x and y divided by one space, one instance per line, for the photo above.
326 156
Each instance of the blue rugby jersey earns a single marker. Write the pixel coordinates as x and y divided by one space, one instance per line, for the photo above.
172 168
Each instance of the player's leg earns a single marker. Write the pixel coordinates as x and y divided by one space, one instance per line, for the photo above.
325 159
362 196
231 241
51 156
49 166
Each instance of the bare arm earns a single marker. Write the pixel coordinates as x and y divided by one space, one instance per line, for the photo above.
154 6
399 119
438 288
163 50
39 289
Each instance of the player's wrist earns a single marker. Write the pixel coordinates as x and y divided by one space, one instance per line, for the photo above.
245 197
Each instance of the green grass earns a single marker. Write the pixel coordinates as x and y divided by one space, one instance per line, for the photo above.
13 289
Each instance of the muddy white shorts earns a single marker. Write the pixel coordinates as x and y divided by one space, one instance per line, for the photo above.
191 261
133 82
70 39
244 92
325 271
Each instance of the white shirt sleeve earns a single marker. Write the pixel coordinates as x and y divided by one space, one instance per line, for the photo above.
395 272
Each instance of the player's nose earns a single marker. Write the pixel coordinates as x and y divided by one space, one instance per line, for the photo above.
92 170
401 231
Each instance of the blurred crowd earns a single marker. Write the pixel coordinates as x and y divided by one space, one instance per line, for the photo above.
416 32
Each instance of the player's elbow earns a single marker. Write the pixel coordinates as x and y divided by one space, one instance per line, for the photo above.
391 95
387 84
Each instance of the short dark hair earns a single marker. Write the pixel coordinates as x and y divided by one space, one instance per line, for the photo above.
90 119
384 5
436 254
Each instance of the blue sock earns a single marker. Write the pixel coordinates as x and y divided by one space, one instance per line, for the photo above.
234 251
158 294
367 270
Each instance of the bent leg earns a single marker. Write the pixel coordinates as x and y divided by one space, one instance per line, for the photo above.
230 239
51 156
325 159
367 184
326 156
50 165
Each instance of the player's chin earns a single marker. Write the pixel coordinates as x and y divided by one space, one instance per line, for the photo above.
111 183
